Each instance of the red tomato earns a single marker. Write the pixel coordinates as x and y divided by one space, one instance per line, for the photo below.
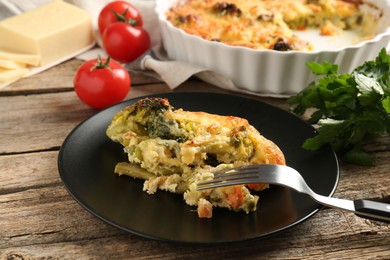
100 83
118 11
124 42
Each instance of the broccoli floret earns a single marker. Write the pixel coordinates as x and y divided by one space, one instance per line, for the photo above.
150 114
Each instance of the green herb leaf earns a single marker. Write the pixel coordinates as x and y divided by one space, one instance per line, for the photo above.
348 108
358 156
322 69
367 85
386 104
328 132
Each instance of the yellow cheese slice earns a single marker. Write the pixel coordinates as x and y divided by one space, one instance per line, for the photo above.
52 31
7 76
10 64
30 59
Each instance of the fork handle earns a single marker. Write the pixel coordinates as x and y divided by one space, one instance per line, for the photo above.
363 208
372 210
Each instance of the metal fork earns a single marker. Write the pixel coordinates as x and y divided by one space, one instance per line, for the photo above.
289 177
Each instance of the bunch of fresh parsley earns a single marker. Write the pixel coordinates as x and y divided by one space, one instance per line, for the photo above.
349 108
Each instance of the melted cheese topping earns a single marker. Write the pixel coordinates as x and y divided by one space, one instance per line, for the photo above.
267 24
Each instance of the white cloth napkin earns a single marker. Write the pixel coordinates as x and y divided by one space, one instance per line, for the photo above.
154 63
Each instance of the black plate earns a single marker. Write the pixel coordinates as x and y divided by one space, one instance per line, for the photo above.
87 159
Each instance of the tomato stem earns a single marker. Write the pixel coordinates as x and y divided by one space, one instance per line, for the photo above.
132 22
122 17
100 65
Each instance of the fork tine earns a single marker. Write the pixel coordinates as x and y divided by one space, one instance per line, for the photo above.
229 177
216 183
235 171
232 175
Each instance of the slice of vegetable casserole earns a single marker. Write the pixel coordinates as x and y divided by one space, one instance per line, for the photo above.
173 149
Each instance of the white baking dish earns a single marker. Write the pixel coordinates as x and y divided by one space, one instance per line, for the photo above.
268 71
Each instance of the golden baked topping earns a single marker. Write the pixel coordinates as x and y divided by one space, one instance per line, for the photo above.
268 24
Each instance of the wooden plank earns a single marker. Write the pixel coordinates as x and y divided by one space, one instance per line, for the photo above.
127 247
362 182
60 78
28 171
38 122
57 78
46 215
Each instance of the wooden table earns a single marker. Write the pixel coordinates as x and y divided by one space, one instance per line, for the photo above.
39 219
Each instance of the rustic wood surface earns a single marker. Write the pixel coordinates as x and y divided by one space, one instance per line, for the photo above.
40 220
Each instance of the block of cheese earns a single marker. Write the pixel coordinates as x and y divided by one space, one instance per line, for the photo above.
52 31
10 75
10 64
29 59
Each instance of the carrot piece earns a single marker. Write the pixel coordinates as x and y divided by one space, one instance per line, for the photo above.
327 30
257 186
236 197
205 209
